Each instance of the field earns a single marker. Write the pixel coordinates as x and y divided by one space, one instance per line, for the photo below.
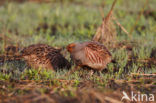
58 23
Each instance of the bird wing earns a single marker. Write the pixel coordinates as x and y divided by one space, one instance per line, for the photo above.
38 49
96 52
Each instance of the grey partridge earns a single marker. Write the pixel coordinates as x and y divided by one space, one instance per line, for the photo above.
11 50
42 56
91 54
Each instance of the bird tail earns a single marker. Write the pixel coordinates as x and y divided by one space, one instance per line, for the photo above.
6 58
113 61
11 54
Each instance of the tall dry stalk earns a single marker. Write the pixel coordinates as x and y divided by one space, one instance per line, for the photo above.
138 18
106 33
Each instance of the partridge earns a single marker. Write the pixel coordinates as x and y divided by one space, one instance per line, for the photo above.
43 56
91 54
11 50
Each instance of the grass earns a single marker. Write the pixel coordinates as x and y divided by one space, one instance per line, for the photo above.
60 23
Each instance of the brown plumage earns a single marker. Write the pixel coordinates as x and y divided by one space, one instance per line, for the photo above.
43 56
91 54
11 50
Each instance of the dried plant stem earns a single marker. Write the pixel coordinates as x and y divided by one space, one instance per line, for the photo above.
138 18
41 81
110 12
101 12
137 74
106 32
124 30
39 1
4 41
144 60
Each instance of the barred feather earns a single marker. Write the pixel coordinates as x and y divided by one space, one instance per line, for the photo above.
91 54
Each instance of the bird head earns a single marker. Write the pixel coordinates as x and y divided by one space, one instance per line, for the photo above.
10 50
71 47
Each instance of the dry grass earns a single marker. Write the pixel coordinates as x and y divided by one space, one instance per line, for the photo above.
106 33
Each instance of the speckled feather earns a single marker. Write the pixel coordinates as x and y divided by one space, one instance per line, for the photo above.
43 56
